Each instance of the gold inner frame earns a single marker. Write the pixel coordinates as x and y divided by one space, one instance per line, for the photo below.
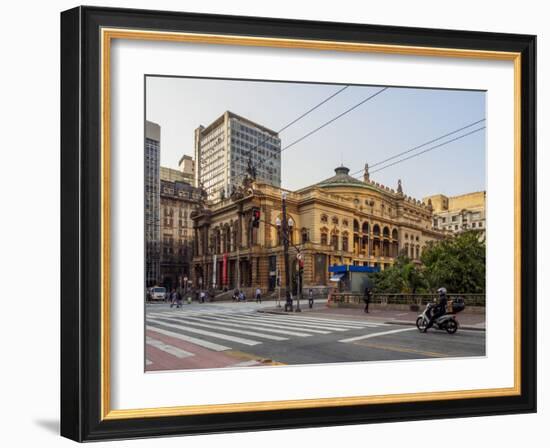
107 35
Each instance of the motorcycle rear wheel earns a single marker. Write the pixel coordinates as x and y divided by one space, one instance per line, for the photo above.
452 326
421 323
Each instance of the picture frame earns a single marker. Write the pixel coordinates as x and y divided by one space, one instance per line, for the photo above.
86 37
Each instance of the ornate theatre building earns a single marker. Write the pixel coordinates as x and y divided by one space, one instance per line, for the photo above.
341 220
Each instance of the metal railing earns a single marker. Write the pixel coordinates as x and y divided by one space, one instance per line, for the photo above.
405 299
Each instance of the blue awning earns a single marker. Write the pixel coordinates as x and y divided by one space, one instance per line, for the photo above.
364 269
338 268
337 277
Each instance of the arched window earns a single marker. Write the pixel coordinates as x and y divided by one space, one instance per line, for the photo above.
305 235
345 242
334 241
324 237
355 225
365 228
394 234
386 232
376 230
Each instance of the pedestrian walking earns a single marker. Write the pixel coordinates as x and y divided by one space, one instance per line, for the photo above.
367 297
202 296
288 303
310 297
258 295
172 297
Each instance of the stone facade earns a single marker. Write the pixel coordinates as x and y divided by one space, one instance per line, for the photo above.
341 220
177 201
455 214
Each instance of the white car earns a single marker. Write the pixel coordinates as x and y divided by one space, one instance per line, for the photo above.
158 293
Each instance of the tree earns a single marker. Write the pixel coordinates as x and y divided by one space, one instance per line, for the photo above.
403 277
456 263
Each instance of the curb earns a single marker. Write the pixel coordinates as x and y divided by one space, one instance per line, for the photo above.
403 322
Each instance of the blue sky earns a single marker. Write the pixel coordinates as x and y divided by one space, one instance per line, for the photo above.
394 121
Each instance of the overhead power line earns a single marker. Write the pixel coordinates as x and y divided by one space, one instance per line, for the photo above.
269 137
421 145
334 119
429 149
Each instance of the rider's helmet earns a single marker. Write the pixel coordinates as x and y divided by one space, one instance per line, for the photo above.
442 291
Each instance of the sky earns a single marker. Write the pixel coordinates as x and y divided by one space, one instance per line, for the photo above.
394 121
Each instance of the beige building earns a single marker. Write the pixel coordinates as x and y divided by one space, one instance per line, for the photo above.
177 201
456 214
341 220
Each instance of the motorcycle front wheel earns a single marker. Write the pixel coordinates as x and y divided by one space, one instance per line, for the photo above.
421 323
452 326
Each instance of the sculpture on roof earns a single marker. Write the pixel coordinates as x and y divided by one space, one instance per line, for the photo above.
366 175
399 187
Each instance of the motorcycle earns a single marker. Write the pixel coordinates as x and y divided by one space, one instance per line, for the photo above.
445 322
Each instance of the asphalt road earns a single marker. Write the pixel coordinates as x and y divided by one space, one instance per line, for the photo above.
214 335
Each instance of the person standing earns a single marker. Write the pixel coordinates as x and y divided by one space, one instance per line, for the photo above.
310 297
367 298
258 295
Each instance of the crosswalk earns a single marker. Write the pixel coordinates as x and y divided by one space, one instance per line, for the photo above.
187 337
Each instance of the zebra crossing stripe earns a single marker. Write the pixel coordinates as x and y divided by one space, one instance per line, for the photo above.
343 323
374 335
306 326
192 340
260 326
175 351
211 334
192 321
270 324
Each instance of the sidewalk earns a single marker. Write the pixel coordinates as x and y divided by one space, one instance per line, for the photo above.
467 321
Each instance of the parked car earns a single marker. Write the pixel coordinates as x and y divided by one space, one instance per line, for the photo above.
158 293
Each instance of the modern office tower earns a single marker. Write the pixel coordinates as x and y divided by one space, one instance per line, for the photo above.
225 149
152 203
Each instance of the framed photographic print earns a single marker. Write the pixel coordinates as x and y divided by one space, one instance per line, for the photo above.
272 223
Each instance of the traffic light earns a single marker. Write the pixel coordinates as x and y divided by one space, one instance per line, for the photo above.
256 217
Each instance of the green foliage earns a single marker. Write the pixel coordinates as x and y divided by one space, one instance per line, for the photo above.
456 263
403 277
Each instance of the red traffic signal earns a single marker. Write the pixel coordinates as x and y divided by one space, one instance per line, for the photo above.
256 215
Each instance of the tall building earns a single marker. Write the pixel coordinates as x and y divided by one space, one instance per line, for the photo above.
177 200
455 214
152 203
186 166
225 148
341 220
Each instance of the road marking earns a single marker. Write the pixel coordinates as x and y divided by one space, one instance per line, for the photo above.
374 335
205 344
211 334
340 322
175 351
192 321
405 350
283 329
286 324
305 322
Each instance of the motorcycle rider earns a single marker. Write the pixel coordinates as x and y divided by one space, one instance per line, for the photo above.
440 309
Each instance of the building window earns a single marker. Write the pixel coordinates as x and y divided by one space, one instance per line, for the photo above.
304 236
334 241
324 239
345 243
454 218
345 223
334 220
324 218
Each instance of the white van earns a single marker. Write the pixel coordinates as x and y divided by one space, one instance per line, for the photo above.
158 293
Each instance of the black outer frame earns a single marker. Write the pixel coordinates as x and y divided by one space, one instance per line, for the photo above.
81 223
